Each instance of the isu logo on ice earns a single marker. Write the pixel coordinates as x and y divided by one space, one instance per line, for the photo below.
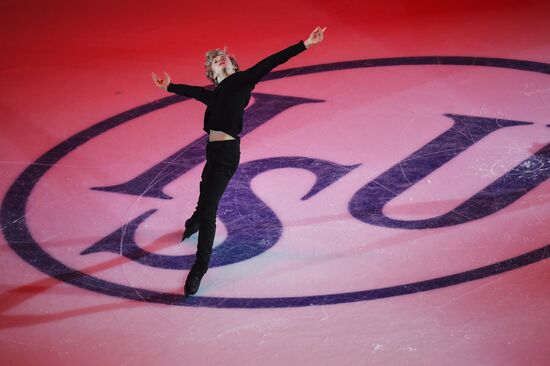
408 160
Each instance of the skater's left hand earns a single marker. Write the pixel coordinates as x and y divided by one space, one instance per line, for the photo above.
315 37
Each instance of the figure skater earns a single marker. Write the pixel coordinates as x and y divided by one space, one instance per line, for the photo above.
223 121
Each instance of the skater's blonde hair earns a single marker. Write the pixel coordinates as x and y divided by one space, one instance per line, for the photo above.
211 55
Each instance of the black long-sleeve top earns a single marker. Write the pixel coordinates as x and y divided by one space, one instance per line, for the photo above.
226 103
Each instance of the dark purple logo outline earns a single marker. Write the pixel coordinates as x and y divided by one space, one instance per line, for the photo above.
15 230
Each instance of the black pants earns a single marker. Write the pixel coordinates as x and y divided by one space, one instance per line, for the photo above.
222 160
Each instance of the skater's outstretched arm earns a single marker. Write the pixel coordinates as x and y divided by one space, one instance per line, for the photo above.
196 92
256 72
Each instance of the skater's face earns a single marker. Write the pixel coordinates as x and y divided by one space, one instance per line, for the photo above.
221 64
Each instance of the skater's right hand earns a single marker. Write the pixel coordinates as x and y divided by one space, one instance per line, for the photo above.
161 83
